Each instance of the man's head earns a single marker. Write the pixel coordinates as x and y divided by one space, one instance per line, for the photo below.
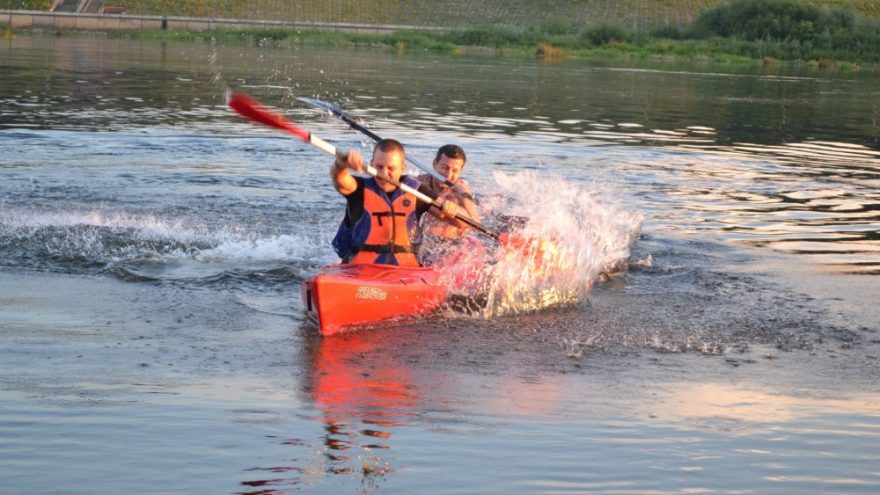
450 161
389 158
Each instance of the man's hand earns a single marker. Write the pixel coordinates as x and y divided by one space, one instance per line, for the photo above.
353 160
448 209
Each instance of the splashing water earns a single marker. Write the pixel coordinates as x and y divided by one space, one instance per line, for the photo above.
571 236
138 242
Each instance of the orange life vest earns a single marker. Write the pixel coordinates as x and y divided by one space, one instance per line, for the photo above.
388 231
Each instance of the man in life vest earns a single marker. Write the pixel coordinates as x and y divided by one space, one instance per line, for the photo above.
381 223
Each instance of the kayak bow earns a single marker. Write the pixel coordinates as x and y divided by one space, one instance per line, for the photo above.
344 296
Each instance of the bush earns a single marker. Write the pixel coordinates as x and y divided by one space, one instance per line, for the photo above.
418 41
669 31
771 20
26 4
555 27
496 37
602 33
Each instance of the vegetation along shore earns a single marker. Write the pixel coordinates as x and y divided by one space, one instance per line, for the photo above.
845 35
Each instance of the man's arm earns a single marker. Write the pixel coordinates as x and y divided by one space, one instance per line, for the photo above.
343 181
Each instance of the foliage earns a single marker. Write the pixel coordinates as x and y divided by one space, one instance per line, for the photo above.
668 31
602 33
734 30
492 36
771 19
26 4
417 40
790 30
554 27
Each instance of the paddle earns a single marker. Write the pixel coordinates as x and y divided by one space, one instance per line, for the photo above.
253 110
340 113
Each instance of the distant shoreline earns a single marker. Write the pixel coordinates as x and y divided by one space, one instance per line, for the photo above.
66 21
613 44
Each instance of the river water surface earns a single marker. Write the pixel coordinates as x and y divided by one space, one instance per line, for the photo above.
723 338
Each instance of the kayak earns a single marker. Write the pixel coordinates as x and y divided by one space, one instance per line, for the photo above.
340 297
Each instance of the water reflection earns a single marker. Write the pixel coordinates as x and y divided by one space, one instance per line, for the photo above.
360 397
706 405
378 391
365 386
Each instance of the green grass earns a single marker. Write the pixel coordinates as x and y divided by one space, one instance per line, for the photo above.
638 15
735 31
26 4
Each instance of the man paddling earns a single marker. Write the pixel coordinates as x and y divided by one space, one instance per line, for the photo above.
381 223
441 238
449 162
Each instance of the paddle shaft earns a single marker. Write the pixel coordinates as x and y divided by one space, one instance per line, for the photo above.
250 108
338 112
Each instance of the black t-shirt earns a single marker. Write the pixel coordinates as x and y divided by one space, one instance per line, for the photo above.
355 208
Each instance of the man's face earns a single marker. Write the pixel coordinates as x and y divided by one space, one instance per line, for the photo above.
390 164
449 167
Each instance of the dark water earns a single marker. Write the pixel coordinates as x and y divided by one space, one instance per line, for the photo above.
152 243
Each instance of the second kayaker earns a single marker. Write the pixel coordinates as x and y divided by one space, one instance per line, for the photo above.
444 238
449 162
382 222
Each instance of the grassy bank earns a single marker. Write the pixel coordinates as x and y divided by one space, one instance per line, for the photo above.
26 4
739 31
742 31
639 15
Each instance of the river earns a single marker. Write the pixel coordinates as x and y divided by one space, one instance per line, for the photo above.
152 244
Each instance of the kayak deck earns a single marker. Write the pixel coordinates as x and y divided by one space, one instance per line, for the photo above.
342 296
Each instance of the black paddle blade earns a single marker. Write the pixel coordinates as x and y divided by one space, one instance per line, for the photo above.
323 105
340 114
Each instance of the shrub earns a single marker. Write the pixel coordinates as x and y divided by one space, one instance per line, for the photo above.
771 19
496 37
549 52
26 4
555 27
669 31
602 33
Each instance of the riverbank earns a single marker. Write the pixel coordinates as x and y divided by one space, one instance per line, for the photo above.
606 43
66 21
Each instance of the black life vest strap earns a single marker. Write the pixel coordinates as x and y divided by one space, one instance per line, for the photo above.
380 214
385 248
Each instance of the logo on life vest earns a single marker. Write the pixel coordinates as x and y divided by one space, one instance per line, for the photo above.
371 293
406 203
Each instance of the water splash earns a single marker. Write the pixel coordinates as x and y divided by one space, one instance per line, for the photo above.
570 236
148 246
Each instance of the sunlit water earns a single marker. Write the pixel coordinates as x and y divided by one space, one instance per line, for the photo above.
709 326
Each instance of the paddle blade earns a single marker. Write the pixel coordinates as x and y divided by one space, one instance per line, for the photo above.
329 107
253 110
543 254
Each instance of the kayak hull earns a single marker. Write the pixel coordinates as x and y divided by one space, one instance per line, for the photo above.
340 297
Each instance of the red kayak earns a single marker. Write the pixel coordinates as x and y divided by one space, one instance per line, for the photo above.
344 296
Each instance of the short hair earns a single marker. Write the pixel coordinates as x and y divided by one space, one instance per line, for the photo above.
452 151
388 145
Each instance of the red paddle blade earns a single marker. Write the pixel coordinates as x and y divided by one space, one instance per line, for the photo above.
253 110
544 254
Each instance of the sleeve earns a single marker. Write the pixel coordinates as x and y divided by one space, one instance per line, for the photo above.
354 208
